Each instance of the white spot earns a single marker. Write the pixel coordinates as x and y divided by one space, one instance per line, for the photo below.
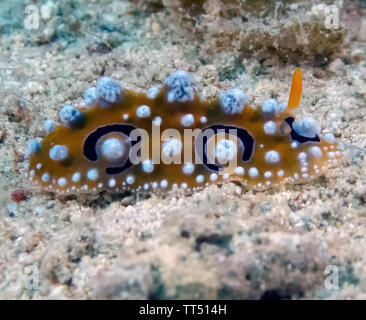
187 120
112 149
157 121
233 101
294 144
272 157
86 187
253 172
125 116
130 179
306 127
329 137
164 184
304 169
58 153
153 92
269 107
45 177
154 185
305 175
341 146
184 185
172 147
188 168
213 177
302 156
239 171
269 127
296 176
200 178
315 151
203 119
100 185
39 166
225 151
331 154
62 182
280 173
225 176
143 111
261 145
111 183
76 177
268 174
93 174
32 173
146 186
147 166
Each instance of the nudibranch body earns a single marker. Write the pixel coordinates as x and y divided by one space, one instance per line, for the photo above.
171 138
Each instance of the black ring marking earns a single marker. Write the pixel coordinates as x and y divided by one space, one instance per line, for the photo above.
90 143
296 136
242 134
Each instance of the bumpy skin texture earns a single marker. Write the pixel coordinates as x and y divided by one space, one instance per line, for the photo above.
283 156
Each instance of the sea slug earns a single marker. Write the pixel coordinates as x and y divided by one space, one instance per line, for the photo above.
171 138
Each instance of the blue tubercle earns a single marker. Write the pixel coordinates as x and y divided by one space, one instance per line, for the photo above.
92 174
70 115
233 101
306 127
49 126
179 85
112 149
269 107
281 107
90 96
34 146
148 166
153 92
269 127
143 111
108 89
59 153
187 120
329 137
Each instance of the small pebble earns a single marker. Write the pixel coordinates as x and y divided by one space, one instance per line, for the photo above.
18 195
39 210
336 66
12 208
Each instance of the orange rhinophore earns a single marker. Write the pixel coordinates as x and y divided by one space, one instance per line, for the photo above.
296 87
169 137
